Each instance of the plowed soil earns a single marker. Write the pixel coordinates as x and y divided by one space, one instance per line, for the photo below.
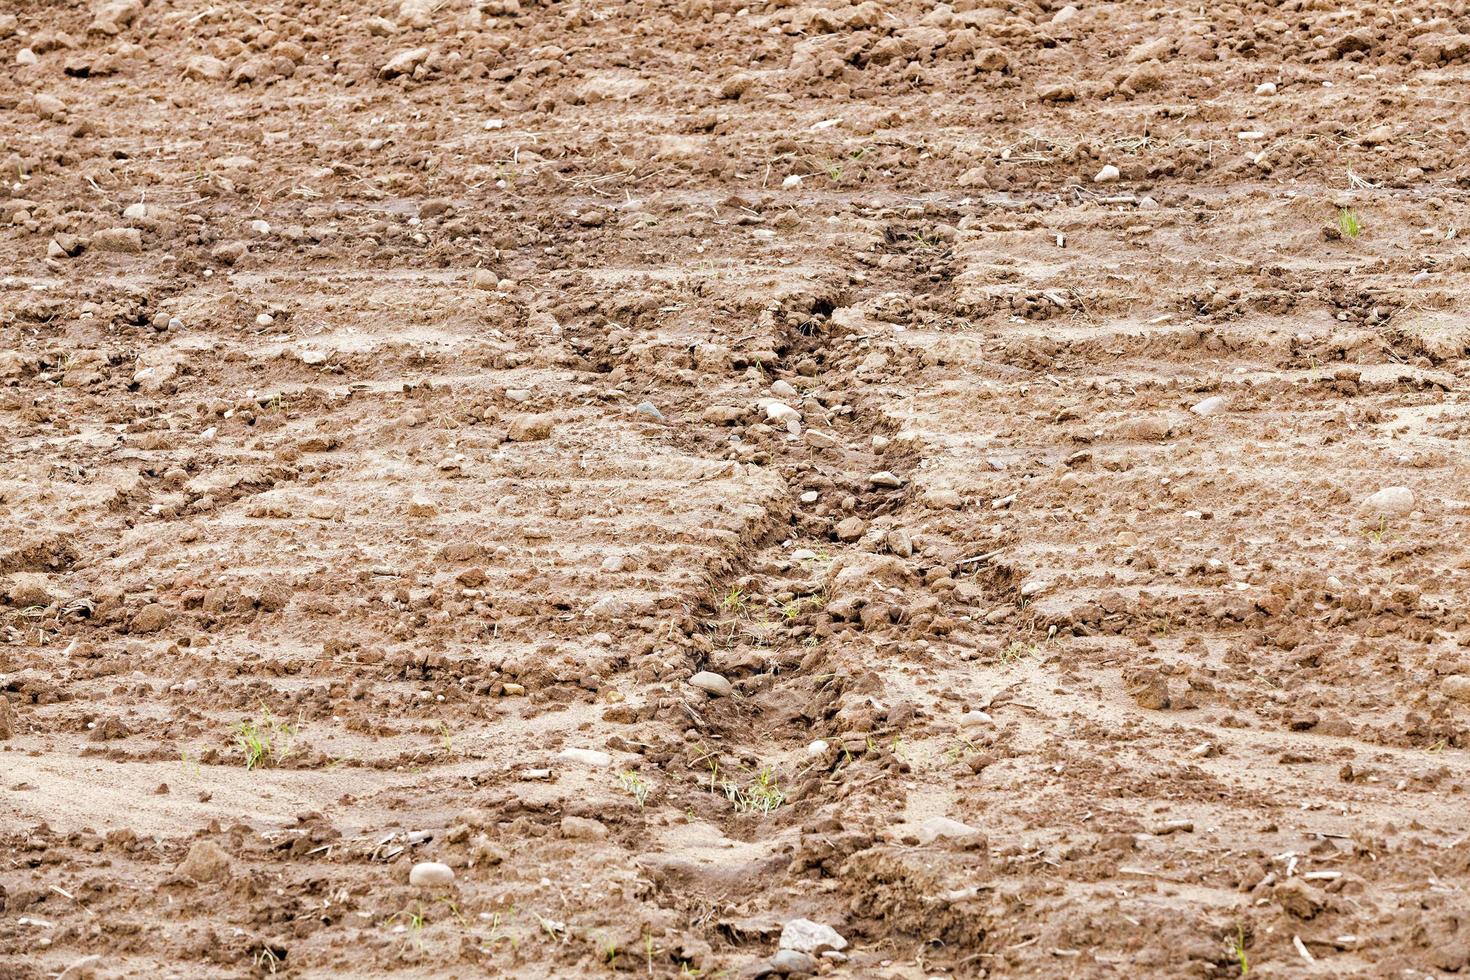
1038 431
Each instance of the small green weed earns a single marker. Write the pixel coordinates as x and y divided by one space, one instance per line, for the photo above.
265 740
635 784
1348 224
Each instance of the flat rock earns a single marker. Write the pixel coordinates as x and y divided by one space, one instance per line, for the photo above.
588 757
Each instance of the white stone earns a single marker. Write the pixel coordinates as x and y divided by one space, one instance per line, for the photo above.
1390 500
712 683
937 828
589 757
1107 175
783 389
431 874
778 411
792 181
1266 88
260 227
975 719
810 937
1213 405
135 211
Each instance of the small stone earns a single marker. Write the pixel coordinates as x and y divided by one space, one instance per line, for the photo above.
794 180
784 389
135 211
431 874
1456 686
1064 15
712 683
817 748
807 936
128 240
975 719
1390 500
943 828
885 479
1033 587
206 861
259 227
1107 175
583 828
486 279
651 410
723 414
588 757
529 428
810 497
404 62
25 56
819 439
850 528
1213 405
203 68
1266 88
793 963
777 411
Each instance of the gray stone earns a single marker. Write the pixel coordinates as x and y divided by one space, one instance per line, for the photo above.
712 683
807 936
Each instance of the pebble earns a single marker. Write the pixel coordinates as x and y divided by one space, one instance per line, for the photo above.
885 479
1266 88
260 227
1213 405
715 684
792 181
651 410
25 56
1064 15
793 963
486 279
784 389
1034 587
1107 175
817 748
943 828
1391 500
431 874
118 240
807 936
135 211
819 439
810 496
778 411
590 757
975 719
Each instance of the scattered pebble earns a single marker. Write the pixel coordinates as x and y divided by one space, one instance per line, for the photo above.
715 684
431 874
1214 405
810 937
589 757
1107 175
1390 500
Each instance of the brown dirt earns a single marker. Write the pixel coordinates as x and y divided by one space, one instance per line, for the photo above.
416 428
